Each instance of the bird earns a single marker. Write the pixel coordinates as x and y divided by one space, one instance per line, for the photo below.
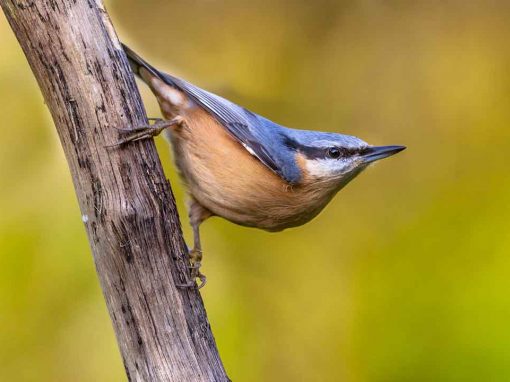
243 167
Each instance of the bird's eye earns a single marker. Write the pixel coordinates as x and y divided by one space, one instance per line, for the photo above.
334 152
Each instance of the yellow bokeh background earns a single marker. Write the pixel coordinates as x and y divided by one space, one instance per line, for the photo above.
404 277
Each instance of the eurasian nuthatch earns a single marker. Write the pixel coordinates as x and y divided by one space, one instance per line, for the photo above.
244 167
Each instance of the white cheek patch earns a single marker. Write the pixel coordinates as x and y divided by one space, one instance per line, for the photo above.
322 168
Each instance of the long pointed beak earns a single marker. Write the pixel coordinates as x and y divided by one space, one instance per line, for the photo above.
380 152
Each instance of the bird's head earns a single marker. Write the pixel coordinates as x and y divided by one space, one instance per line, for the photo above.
332 158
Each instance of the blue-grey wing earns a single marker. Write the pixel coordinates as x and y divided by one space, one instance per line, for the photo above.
258 135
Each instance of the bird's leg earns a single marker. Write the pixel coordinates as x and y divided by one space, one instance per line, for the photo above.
197 214
149 131
195 256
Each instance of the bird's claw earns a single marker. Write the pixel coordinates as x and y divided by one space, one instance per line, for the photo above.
195 257
146 132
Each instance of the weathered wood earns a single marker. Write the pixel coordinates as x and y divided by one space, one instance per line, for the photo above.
126 202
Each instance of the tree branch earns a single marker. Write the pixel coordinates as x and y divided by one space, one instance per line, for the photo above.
126 202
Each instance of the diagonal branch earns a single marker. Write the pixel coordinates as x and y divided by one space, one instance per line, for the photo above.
126 202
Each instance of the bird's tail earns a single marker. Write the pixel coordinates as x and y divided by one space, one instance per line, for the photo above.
137 63
146 71
173 96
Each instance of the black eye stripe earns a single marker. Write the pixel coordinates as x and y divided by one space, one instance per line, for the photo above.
323 152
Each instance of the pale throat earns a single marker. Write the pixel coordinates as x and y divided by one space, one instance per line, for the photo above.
325 168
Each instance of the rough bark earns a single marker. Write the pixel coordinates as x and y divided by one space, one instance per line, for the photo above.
126 202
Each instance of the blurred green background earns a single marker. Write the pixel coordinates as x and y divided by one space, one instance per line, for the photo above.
404 277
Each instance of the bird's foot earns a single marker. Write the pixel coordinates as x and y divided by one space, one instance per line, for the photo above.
195 258
148 131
